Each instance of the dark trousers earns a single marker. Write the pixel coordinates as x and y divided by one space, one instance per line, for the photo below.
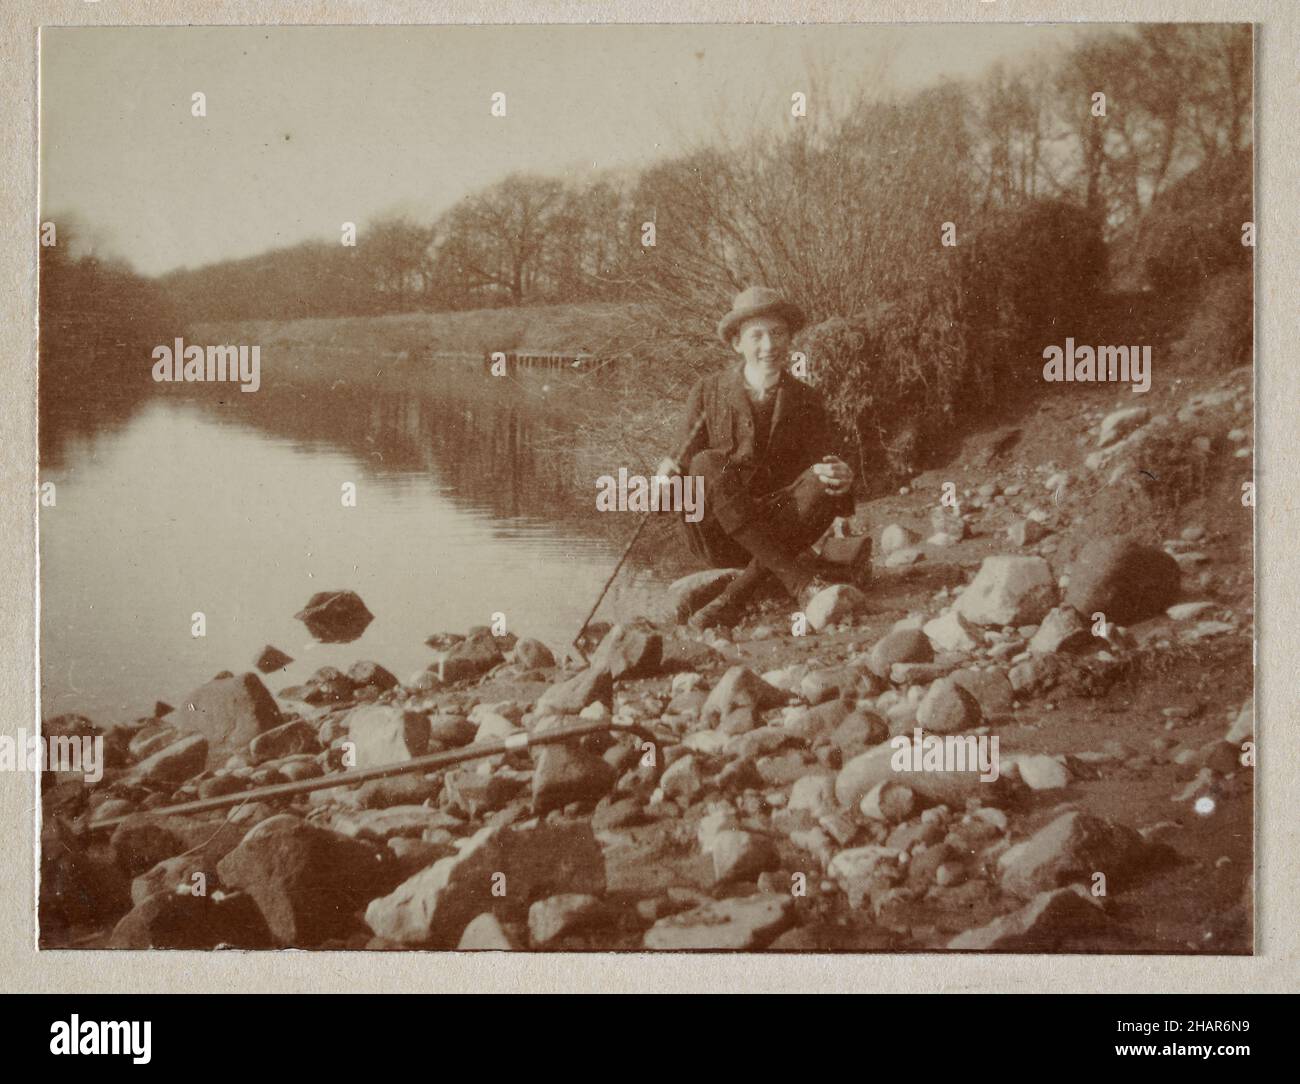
768 532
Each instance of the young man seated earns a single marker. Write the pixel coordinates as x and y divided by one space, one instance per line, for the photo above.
761 441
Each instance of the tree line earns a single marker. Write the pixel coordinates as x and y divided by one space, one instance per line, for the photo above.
1174 97
1126 159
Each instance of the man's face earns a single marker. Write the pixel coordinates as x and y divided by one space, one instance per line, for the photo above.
763 341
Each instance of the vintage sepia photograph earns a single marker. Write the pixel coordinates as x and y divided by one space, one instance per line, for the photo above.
646 488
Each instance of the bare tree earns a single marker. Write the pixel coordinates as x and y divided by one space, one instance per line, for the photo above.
496 238
396 252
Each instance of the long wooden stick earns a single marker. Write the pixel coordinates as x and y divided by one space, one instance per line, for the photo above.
406 767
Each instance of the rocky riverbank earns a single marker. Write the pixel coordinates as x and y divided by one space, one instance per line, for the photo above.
760 805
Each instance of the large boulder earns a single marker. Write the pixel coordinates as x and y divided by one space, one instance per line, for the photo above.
308 883
901 645
492 726
1008 590
181 920
176 874
174 763
383 734
470 658
861 870
833 605
1064 629
630 650
1038 771
229 712
890 763
290 739
857 732
451 731
952 632
568 913
590 686
947 708
272 659
896 537
143 840
149 738
391 822
335 617
70 726
822 686
1072 848
1123 579
480 789
990 687
740 687
486 934
741 856
77 887
683 779
502 870
565 775
369 674
738 925
533 655
1041 925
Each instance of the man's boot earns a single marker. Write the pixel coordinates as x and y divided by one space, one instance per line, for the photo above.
727 608
813 588
847 560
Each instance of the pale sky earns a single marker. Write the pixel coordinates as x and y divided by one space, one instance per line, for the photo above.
310 127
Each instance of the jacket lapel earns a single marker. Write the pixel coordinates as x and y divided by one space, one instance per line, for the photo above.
784 408
736 396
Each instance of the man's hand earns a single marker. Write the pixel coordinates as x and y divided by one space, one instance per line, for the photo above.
834 474
667 469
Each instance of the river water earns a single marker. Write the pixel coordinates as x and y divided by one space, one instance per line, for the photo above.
231 505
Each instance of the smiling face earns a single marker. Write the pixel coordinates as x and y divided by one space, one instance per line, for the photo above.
763 342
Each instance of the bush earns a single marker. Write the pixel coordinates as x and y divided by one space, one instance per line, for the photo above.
1028 279
1192 231
887 378
1220 329
899 377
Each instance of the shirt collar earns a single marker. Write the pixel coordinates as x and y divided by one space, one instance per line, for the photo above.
762 391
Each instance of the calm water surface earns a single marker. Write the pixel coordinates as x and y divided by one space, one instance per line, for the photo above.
232 507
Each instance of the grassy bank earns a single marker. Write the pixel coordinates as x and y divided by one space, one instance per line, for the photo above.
538 327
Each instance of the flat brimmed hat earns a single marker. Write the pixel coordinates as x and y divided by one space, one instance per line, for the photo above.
760 301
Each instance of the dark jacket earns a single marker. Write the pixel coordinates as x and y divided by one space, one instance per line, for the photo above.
800 434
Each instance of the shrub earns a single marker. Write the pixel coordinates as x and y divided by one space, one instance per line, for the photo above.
1028 279
1219 333
963 332
888 378
1192 231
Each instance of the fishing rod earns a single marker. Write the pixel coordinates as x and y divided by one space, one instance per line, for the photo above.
645 518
